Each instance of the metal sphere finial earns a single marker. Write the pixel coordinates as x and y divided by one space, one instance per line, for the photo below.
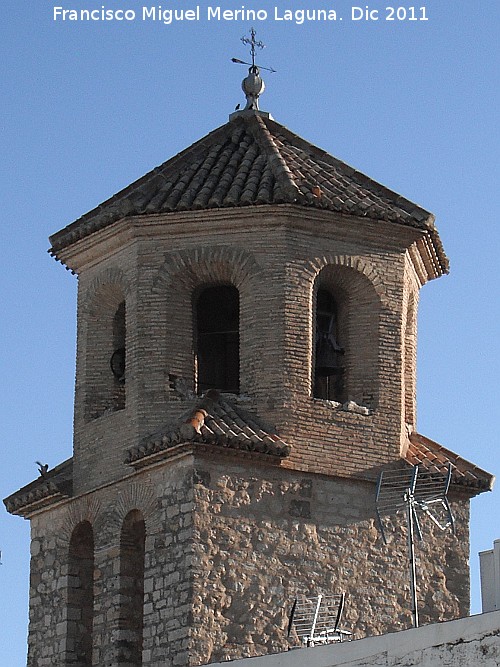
253 86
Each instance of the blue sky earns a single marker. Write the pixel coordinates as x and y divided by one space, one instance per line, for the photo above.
88 107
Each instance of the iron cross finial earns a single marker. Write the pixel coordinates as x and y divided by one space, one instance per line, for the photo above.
253 44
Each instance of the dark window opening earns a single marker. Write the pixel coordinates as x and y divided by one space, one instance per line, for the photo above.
328 365
218 339
117 361
80 596
131 623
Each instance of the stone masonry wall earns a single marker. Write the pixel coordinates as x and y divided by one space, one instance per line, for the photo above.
165 500
229 543
264 535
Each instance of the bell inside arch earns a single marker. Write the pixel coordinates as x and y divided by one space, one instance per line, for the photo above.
328 357
328 351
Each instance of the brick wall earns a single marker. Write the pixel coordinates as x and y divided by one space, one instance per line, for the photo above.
276 260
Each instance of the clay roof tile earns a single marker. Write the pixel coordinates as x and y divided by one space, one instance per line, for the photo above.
225 425
434 457
251 161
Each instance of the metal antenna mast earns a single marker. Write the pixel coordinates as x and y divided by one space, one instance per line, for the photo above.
413 492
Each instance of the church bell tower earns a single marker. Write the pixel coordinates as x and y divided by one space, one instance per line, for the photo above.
245 369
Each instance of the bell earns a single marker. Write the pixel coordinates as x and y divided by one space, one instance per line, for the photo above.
327 356
117 363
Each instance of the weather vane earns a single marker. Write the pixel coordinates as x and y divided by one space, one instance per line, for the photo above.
253 45
253 85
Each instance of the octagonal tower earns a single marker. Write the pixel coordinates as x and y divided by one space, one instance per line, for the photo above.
245 368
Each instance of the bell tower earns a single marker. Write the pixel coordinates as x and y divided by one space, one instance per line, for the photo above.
245 368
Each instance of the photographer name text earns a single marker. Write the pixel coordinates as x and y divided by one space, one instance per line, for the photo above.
167 16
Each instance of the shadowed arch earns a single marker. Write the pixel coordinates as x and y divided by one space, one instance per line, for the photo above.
357 264
357 308
217 317
105 350
80 600
178 283
131 614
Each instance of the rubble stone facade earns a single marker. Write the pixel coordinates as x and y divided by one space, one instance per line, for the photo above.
228 546
184 526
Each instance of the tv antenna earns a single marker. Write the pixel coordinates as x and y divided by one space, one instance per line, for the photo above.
414 493
316 620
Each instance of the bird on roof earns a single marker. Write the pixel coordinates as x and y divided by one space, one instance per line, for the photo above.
42 468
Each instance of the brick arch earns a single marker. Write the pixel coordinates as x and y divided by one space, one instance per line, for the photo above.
177 282
410 358
80 595
104 310
104 292
359 304
358 264
349 280
131 589
205 265
135 497
80 510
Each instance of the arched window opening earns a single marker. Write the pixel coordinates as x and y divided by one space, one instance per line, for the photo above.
217 339
132 550
328 366
80 596
117 361
105 354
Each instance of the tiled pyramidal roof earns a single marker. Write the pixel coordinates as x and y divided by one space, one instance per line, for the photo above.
435 458
216 421
253 160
